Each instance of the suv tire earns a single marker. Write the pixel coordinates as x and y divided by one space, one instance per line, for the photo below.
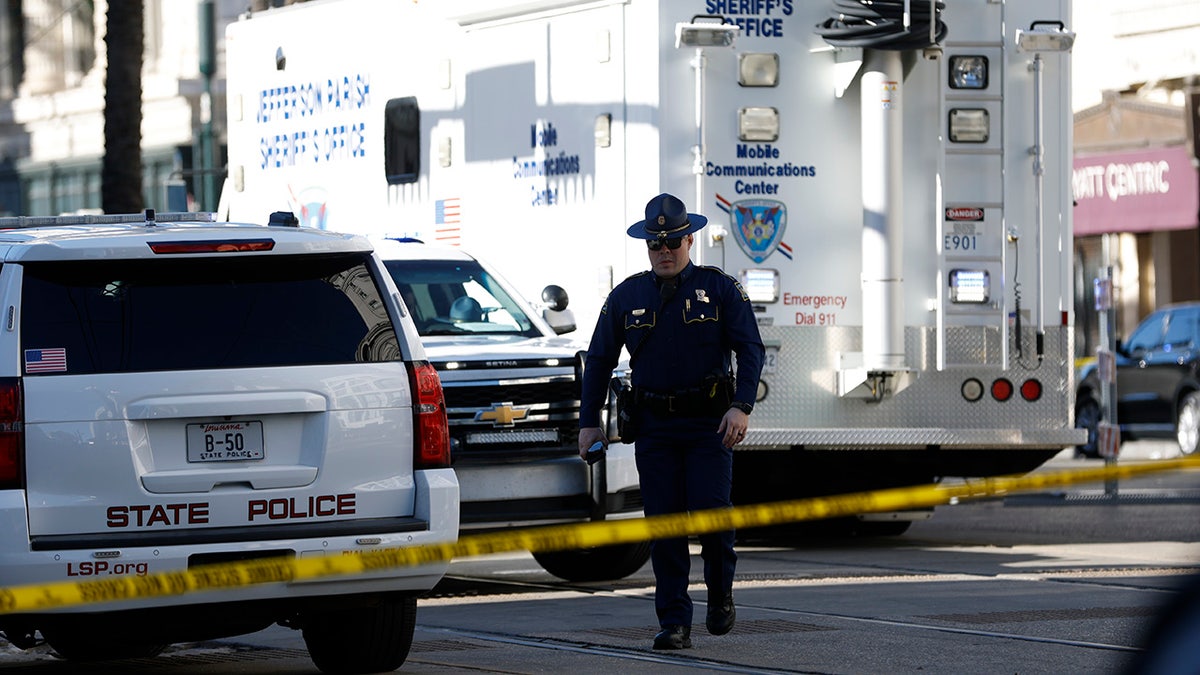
371 639
1187 425
1087 416
601 563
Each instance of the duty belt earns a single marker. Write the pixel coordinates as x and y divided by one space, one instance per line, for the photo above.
691 401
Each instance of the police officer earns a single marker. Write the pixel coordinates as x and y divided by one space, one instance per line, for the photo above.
681 323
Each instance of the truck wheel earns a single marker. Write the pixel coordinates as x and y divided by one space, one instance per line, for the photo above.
89 644
601 563
370 639
1187 427
882 528
1087 416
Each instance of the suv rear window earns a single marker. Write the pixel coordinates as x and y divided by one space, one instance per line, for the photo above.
116 316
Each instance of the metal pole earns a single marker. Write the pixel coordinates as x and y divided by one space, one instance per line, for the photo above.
1105 303
208 68
883 209
1039 172
698 150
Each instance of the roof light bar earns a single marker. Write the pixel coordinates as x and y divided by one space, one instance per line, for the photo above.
149 217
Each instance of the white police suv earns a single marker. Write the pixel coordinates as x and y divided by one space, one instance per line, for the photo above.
176 392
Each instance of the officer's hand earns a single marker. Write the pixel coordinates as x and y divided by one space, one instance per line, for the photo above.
733 427
588 436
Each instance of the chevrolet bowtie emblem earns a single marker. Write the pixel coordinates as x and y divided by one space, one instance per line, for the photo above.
501 414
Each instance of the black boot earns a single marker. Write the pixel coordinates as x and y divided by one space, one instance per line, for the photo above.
721 613
674 637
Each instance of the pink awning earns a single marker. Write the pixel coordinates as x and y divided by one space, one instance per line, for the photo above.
1139 191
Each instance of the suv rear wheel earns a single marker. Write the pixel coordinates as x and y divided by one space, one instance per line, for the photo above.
1187 425
372 639
601 563
1087 416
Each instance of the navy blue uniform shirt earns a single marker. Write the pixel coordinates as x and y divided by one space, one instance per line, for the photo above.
687 339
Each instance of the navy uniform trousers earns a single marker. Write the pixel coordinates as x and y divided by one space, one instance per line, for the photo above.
683 467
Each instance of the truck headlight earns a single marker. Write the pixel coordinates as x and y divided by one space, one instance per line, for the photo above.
968 72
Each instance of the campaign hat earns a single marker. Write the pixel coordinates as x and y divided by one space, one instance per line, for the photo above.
666 217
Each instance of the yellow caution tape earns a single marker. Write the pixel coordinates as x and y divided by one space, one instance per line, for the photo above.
37 597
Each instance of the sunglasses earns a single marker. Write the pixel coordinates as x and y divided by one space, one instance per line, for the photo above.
672 243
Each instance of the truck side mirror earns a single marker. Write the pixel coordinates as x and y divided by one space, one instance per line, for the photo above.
561 319
555 297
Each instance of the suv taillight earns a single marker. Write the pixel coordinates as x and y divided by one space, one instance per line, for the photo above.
12 433
431 431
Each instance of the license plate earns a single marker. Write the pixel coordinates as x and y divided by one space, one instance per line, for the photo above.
224 441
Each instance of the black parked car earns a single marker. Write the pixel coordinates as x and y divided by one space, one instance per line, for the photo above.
1158 383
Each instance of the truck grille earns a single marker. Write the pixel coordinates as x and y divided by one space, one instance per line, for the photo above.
474 396
520 420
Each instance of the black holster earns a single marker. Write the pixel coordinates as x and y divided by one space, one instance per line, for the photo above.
627 423
718 390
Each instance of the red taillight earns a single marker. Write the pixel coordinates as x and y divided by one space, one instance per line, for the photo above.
1002 389
12 433
431 431
235 246
1031 390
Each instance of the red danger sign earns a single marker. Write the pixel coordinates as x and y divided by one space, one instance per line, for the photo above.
964 213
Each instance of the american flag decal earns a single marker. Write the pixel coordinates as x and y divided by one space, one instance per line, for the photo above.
445 211
52 360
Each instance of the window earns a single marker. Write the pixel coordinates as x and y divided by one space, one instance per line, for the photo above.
452 298
237 312
402 140
1181 330
1149 334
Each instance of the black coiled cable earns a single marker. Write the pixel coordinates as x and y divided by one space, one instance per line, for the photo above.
879 24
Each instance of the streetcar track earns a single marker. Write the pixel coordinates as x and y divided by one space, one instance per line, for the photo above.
949 629
1100 576
704 663
595 649
1105 577
1044 573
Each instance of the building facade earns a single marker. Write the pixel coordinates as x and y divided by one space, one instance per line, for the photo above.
1136 64
52 102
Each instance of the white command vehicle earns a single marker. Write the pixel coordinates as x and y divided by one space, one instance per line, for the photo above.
888 180
177 392
512 400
